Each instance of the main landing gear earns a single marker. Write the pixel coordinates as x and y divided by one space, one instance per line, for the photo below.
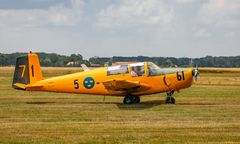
130 99
170 99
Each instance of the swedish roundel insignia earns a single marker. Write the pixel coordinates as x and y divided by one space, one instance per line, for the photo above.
88 82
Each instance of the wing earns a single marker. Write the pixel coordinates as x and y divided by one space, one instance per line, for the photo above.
119 86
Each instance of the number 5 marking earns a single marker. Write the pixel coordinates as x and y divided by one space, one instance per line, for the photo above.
23 71
76 85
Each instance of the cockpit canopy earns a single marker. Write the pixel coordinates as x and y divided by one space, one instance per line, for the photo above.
140 69
118 69
136 69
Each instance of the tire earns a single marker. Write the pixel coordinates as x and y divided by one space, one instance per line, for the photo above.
127 100
170 100
136 99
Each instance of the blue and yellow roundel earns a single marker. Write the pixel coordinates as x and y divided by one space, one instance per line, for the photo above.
88 82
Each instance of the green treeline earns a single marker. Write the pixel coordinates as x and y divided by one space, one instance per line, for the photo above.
55 60
46 59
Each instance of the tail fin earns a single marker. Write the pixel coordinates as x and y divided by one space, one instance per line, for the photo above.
27 71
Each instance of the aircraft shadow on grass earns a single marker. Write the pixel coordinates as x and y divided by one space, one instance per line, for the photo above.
142 105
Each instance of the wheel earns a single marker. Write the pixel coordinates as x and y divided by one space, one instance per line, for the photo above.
128 100
170 100
136 99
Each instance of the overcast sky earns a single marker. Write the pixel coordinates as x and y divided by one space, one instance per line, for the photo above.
178 28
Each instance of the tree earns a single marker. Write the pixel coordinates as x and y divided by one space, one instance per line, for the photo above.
168 63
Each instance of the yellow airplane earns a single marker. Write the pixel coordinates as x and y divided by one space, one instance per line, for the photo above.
128 80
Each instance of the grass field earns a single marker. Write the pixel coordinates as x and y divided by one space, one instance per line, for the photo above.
208 112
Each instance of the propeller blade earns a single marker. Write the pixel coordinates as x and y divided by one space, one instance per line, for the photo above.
195 74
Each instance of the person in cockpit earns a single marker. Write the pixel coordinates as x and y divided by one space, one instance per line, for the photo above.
137 71
134 72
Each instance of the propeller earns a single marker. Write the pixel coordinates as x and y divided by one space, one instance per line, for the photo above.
195 73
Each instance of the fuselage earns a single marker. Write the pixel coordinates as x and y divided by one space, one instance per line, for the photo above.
91 82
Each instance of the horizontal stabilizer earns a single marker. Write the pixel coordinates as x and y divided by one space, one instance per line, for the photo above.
24 86
20 86
34 86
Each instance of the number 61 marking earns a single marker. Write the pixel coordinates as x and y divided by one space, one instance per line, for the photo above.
180 76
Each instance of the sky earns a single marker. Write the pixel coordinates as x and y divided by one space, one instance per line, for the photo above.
105 28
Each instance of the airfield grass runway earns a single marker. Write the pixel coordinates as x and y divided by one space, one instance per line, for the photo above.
208 112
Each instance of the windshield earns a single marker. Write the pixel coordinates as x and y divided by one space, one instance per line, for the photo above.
154 70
